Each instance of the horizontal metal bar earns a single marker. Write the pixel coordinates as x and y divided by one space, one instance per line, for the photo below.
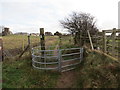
70 65
44 62
44 68
45 56
70 54
70 49
49 54
70 60
67 69
47 50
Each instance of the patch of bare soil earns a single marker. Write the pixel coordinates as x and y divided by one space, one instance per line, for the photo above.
67 79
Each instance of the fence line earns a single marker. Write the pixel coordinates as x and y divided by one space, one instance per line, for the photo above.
112 45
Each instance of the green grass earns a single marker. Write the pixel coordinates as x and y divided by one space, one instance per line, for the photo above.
17 41
98 71
20 74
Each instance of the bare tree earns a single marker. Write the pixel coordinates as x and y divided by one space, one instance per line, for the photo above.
78 24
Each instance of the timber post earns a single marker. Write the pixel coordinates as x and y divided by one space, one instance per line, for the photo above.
1 49
113 41
29 44
42 43
104 41
91 43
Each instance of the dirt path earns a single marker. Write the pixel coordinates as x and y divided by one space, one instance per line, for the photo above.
67 79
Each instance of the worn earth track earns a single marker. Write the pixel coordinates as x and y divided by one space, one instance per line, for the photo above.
66 79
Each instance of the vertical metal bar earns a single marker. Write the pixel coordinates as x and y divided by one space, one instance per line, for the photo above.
59 60
45 59
80 55
33 57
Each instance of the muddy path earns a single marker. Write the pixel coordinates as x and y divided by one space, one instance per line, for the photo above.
66 79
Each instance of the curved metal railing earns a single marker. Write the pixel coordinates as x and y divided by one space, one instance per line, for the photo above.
56 59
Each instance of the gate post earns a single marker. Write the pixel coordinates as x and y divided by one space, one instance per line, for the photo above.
113 42
1 49
59 60
29 43
42 38
81 54
104 41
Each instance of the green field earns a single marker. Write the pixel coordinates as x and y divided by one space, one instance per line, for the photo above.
96 70
18 41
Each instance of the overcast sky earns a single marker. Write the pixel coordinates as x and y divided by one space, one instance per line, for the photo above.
30 15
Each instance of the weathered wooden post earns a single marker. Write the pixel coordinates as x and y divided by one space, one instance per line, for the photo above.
104 41
90 40
113 41
1 49
118 46
42 43
29 45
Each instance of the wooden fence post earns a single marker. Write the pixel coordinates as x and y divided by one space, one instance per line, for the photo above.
42 43
29 45
113 42
1 49
90 40
118 46
104 41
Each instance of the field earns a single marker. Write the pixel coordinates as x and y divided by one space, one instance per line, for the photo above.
91 73
17 41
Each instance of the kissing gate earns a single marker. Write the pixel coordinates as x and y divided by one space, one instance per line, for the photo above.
56 59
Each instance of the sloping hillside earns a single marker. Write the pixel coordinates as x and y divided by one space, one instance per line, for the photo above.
98 71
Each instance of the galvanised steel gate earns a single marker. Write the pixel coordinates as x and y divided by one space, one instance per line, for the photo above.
59 59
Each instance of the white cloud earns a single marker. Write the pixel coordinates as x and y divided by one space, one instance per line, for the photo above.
34 14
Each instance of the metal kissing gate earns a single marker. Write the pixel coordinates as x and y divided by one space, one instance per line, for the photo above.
59 59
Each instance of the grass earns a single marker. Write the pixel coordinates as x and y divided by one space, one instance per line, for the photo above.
98 71
20 74
17 41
